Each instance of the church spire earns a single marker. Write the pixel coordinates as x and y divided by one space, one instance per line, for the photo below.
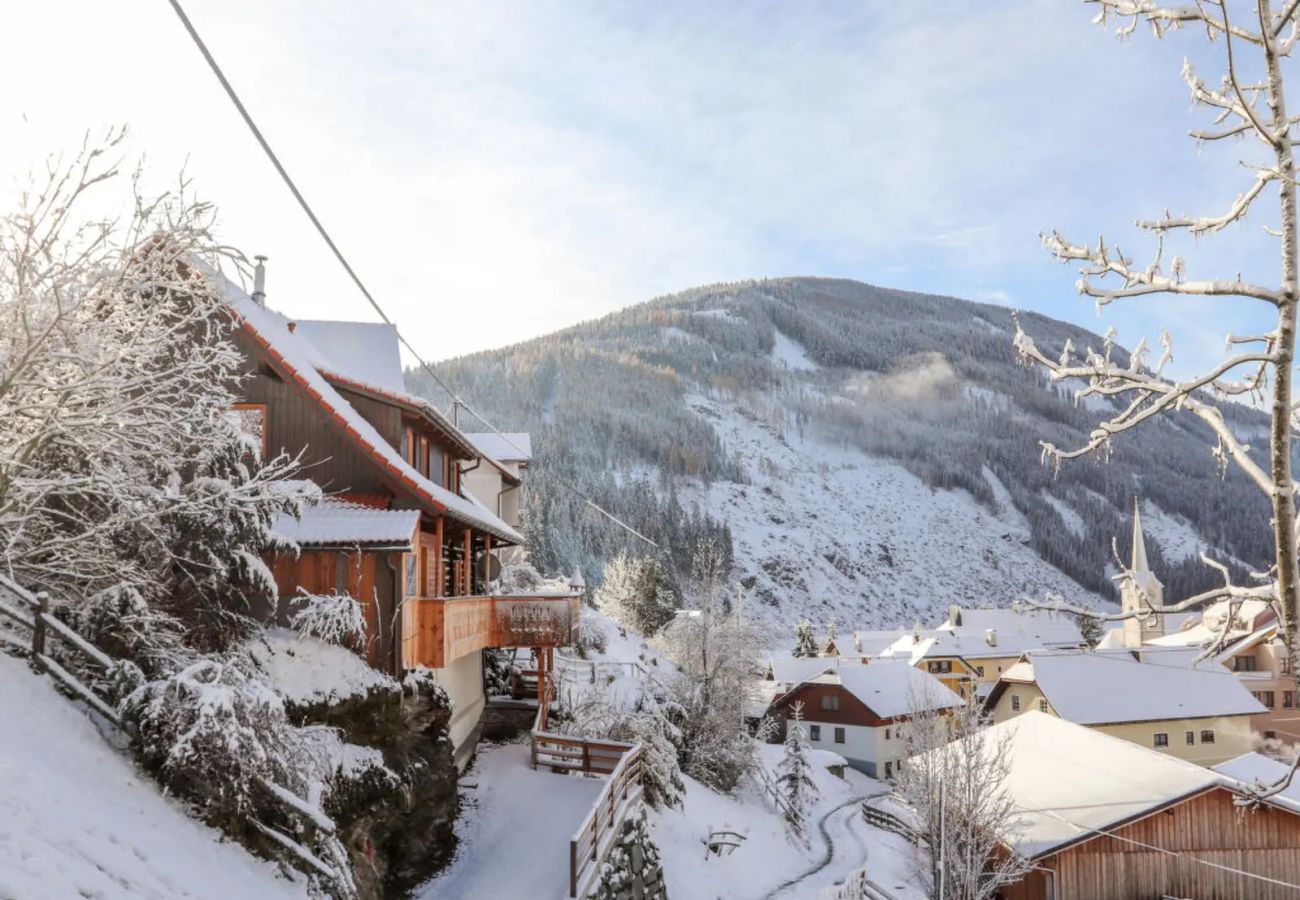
1139 564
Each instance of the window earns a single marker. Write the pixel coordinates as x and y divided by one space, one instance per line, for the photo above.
1243 664
1270 735
830 701
1288 699
1190 737
839 735
1015 703
886 734
408 441
422 454
980 671
1286 663
1265 697
814 732
1207 736
889 770
1161 739
943 666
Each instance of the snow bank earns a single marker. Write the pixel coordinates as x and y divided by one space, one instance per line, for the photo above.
306 671
77 820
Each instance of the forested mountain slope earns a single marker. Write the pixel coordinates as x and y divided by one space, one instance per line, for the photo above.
870 454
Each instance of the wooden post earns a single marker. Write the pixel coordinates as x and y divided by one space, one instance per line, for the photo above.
468 572
38 630
439 564
573 868
542 705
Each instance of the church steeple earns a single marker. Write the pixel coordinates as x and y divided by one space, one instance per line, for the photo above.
1141 590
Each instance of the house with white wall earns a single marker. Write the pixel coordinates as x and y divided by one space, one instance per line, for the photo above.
856 710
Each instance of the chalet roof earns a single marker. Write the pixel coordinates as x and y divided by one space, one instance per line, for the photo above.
1045 628
790 669
510 447
1107 688
890 688
1068 781
367 352
336 523
300 361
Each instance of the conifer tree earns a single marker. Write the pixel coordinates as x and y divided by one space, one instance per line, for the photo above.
805 641
794 777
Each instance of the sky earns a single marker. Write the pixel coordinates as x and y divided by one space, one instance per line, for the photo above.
498 170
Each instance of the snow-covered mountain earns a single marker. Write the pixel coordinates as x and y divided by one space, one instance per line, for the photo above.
870 454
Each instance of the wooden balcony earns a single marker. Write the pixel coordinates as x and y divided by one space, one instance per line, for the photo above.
438 630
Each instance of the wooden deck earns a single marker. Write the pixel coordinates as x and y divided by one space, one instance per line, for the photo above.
438 630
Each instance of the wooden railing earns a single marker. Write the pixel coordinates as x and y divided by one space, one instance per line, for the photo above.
598 832
591 670
438 630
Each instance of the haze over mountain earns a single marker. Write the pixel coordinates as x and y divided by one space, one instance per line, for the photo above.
871 455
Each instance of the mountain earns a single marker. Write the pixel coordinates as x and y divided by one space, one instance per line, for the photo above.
868 455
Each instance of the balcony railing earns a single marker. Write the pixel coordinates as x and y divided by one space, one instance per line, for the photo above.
438 630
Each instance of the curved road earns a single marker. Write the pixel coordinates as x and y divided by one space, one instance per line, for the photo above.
823 826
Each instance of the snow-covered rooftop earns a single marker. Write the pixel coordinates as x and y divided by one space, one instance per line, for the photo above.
891 688
982 634
505 447
332 523
304 361
1045 627
1068 780
1104 688
362 351
1258 770
790 669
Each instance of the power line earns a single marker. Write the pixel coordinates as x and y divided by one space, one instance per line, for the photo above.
356 279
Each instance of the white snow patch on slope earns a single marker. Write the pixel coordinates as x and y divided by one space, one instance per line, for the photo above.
1175 535
672 332
790 353
1008 513
77 820
716 313
1072 519
829 531
307 671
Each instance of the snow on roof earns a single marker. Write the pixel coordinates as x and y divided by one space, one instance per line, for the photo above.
892 688
1249 615
362 351
302 360
1104 688
985 643
790 669
1067 780
338 523
506 447
1256 769
1047 628
872 643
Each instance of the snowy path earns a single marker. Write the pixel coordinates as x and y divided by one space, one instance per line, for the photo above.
77 820
514 830
850 854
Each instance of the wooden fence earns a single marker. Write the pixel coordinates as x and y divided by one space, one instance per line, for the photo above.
592 670
599 832
890 822
32 612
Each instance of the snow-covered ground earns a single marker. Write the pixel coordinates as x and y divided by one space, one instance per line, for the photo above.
514 829
832 532
77 819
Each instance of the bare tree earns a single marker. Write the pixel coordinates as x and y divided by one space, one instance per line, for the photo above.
1249 102
952 778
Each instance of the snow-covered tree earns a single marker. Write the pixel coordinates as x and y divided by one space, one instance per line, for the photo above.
715 651
794 777
126 490
952 777
1249 103
637 592
805 641
832 632
335 618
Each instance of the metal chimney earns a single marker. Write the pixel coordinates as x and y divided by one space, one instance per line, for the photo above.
259 281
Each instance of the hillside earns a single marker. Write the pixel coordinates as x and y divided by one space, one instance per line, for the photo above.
870 454
77 820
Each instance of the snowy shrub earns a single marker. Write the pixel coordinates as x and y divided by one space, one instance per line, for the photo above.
794 777
518 578
638 593
633 867
422 682
496 672
591 638
334 618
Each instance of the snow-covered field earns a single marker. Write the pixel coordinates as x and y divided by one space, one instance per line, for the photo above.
832 532
77 820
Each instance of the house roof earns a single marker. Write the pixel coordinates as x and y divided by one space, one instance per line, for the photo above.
507 447
1042 627
1068 781
1250 615
367 352
790 669
1107 688
300 361
337 523
1258 770
890 688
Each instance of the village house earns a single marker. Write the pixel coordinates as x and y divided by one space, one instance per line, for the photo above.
1107 819
856 710
1200 713
971 649
396 531
496 478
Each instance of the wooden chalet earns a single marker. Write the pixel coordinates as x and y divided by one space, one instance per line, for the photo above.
396 532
